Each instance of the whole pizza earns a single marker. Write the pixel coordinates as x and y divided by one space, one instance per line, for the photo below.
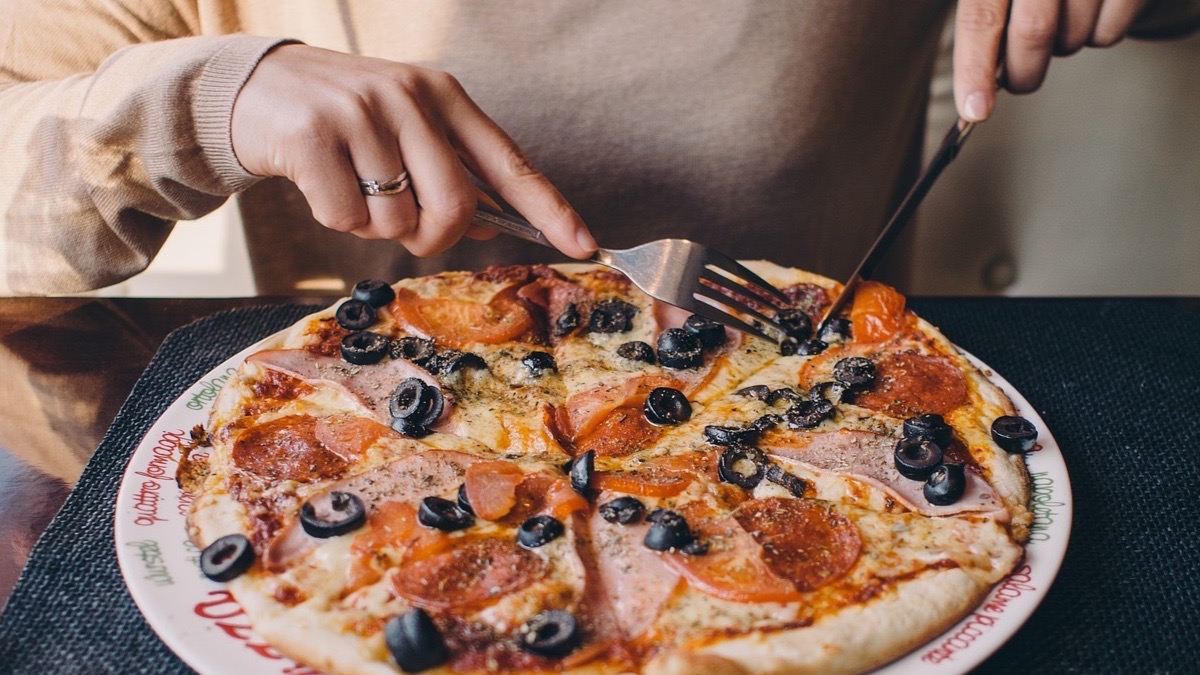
533 468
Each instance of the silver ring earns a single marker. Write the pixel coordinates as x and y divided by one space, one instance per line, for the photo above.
372 188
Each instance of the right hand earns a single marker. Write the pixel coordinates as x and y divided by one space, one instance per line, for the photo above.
323 119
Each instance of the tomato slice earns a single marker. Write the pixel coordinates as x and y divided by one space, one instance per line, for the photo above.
392 534
544 493
492 488
349 436
459 323
644 483
877 313
590 407
474 572
623 432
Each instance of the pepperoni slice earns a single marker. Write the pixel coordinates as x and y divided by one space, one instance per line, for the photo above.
909 384
590 407
808 298
544 493
623 432
392 534
492 488
877 313
802 541
475 572
460 323
304 448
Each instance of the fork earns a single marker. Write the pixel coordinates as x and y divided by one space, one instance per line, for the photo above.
679 272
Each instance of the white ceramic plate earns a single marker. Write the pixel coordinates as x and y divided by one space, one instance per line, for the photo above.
201 622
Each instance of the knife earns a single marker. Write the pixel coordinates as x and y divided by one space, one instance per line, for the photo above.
941 159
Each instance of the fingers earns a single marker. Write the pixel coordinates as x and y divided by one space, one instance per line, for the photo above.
377 157
1076 22
1030 40
1116 16
978 31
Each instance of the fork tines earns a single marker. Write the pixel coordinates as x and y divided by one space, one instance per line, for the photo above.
727 286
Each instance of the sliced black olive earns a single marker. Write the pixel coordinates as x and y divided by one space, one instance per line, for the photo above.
789 346
743 466
374 292
758 392
539 531
415 349
834 392
855 372
539 363
787 395
668 530
694 547
665 406
417 402
364 348
1014 434
811 347
463 502
730 435
349 514
808 414
227 558
443 514
917 457
612 316
834 331
930 426
679 349
788 481
410 428
622 510
710 333
566 322
946 485
451 361
795 323
415 642
636 351
581 472
551 633
355 315
766 423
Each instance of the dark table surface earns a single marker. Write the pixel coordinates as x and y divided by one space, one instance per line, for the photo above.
67 364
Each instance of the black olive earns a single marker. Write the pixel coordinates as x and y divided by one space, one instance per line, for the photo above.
364 348
743 466
788 481
834 331
946 485
636 351
443 514
668 530
355 315
834 392
808 414
539 531
722 435
917 457
552 633
789 346
665 406
694 547
417 402
409 428
463 502
930 426
787 395
612 316
710 333
758 392
415 642
795 323
374 292
766 423
855 372
567 322
1014 434
622 510
811 347
415 349
678 349
539 363
227 558
349 514
581 472
451 361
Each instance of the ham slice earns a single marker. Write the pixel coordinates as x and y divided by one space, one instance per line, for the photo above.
636 580
370 385
869 457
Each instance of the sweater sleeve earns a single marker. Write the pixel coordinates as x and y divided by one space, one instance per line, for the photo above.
99 165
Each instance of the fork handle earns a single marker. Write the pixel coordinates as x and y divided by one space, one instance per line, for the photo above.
509 224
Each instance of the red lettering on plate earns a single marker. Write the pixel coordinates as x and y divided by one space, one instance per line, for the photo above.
164 455
222 605
1016 584
145 502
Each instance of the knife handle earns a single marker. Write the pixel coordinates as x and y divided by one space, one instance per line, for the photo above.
492 216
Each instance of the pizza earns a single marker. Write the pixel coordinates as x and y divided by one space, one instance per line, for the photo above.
536 468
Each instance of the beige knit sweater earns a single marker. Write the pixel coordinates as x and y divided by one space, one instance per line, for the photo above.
781 130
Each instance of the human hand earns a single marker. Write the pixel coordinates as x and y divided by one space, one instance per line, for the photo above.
323 119
1029 31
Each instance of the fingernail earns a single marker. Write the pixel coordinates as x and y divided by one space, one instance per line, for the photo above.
976 107
584 238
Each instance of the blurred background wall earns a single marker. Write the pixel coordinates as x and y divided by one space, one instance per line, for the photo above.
1089 186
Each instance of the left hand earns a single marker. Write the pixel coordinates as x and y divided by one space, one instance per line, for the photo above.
1029 31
